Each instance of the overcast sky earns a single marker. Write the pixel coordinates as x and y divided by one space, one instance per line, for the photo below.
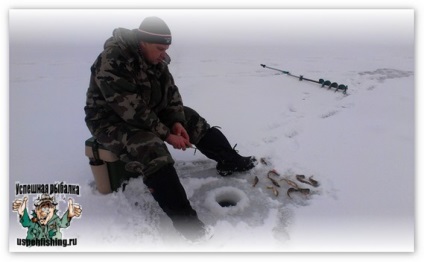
238 27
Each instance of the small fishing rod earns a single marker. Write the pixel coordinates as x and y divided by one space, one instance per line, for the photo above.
321 81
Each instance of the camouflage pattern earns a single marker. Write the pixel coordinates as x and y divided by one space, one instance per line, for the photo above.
131 105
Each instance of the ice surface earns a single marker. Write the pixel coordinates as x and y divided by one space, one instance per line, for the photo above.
360 146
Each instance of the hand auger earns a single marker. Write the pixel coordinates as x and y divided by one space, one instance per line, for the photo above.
321 81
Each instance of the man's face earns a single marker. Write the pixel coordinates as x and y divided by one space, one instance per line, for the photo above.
44 213
154 53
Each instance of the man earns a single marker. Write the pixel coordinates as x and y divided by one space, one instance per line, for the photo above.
133 107
45 223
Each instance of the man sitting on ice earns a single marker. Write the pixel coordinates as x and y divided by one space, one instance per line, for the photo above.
133 107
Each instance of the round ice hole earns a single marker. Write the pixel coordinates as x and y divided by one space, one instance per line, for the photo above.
226 200
227 203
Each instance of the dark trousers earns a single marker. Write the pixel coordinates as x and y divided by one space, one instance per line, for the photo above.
167 190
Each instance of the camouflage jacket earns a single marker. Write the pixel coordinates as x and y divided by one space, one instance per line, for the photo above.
124 88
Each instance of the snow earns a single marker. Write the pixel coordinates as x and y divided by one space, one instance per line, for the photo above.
360 146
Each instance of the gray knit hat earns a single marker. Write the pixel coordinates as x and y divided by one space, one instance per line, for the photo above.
154 30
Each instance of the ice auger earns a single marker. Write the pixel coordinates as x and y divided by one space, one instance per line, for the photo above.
321 81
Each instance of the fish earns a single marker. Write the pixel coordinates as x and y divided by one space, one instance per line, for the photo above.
301 178
274 182
310 181
291 183
304 191
263 161
291 190
274 190
314 182
273 171
255 181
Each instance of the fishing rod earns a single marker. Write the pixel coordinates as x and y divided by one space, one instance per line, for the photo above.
321 81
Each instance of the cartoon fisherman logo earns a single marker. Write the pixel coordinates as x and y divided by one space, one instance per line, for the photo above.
45 223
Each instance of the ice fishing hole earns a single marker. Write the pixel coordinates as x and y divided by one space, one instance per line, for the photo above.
226 200
227 203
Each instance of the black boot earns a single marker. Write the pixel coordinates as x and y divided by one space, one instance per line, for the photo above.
215 146
167 190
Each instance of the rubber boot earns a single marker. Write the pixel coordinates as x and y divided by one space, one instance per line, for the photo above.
215 146
167 190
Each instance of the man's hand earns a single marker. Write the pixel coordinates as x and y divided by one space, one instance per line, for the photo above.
179 130
178 138
178 142
19 205
74 210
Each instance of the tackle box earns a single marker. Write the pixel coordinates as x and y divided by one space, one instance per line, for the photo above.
108 171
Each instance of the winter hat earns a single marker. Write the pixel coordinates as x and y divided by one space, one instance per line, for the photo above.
45 198
154 30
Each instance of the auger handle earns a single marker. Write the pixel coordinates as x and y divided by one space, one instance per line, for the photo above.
284 72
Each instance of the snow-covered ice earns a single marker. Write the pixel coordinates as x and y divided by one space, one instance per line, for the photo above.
360 146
